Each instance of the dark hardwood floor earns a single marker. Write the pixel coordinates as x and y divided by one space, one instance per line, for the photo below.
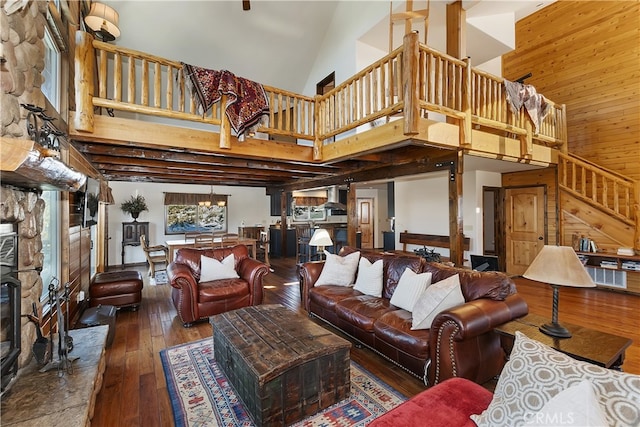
134 390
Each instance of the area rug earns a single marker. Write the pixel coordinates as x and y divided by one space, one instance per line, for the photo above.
161 278
201 395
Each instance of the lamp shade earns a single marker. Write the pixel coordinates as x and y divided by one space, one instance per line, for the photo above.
559 265
103 18
320 238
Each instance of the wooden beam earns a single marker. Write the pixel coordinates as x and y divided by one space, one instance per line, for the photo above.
410 66
84 61
352 214
456 236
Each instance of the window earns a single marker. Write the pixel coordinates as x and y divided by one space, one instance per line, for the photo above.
51 73
50 241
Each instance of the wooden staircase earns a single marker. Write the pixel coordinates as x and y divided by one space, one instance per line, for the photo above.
600 204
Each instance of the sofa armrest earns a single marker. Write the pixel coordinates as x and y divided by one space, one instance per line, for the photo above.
462 342
253 271
309 273
180 278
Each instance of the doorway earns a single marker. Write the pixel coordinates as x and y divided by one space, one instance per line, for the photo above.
366 221
525 226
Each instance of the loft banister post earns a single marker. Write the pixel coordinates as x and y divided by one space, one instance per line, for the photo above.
526 140
636 214
317 142
84 60
563 129
466 125
410 70
225 125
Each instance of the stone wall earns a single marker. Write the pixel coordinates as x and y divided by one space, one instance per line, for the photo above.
22 50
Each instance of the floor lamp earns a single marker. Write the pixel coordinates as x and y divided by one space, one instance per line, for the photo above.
558 266
320 239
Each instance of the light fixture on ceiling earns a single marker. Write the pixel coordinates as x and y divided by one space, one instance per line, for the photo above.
218 199
558 266
103 20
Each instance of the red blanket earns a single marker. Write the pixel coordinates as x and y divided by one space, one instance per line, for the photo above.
247 104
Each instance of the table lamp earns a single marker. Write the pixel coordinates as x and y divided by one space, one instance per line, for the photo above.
558 266
320 239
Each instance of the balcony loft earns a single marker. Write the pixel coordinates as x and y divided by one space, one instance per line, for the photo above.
414 107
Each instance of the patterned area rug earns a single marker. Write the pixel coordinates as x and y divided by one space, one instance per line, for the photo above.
201 396
161 278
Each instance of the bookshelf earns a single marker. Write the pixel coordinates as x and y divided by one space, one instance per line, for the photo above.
613 271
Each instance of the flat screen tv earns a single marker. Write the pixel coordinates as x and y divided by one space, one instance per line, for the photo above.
92 189
484 263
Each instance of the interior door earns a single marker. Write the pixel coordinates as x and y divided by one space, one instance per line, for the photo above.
525 226
366 221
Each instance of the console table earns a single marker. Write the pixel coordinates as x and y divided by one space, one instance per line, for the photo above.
131 232
585 344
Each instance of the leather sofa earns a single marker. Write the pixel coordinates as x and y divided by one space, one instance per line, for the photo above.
461 341
195 301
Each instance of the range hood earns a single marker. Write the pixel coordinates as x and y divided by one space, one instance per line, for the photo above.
24 165
333 199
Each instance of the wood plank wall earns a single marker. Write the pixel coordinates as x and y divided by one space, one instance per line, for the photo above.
586 54
539 177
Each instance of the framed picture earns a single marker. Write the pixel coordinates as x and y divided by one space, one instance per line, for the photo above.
180 219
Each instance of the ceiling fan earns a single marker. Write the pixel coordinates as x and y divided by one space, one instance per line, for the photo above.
246 5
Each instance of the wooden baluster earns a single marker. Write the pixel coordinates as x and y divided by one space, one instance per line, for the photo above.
144 96
131 85
157 86
117 78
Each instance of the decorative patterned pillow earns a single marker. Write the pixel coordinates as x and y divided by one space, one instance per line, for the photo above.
576 406
536 373
212 269
339 270
436 298
369 280
410 287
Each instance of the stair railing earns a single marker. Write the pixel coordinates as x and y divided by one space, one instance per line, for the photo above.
607 190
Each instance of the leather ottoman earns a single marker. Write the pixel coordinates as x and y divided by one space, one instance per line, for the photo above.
117 288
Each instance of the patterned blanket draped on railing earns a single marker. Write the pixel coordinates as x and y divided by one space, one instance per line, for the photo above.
247 105
519 94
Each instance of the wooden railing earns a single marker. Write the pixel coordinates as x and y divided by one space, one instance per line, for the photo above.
411 81
611 192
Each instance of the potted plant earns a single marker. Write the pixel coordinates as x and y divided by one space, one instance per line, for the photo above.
134 206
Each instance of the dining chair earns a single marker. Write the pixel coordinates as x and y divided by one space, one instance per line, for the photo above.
303 236
262 247
158 254
203 240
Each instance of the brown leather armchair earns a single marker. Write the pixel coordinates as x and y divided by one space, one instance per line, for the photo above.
195 301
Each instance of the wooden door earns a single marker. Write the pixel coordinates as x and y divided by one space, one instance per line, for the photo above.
365 222
525 226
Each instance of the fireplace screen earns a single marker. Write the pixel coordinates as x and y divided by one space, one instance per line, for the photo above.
9 305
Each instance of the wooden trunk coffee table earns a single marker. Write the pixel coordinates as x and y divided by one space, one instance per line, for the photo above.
283 366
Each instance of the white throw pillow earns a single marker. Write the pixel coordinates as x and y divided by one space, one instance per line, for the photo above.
339 270
535 373
410 286
436 298
369 280
212 269
576 406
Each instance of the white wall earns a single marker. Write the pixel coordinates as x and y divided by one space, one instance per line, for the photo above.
250 205
422 206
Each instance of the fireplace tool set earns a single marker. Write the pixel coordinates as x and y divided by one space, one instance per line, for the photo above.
43 347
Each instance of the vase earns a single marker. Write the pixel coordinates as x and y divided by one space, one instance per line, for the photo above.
135 216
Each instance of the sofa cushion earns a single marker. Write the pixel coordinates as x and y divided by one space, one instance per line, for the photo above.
474 284
576 406
536 373
327 296
220 290
363 310
436 298
369 277
409 289
394 328
339 270
212 269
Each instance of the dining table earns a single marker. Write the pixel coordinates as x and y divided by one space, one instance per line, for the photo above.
174 245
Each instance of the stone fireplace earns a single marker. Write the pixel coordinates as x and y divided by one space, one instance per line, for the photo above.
25 210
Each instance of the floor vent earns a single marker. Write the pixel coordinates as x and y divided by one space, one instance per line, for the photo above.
608 277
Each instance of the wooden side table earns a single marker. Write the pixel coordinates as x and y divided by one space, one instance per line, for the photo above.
585 344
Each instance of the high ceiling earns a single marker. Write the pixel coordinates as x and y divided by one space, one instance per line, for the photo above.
275 43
